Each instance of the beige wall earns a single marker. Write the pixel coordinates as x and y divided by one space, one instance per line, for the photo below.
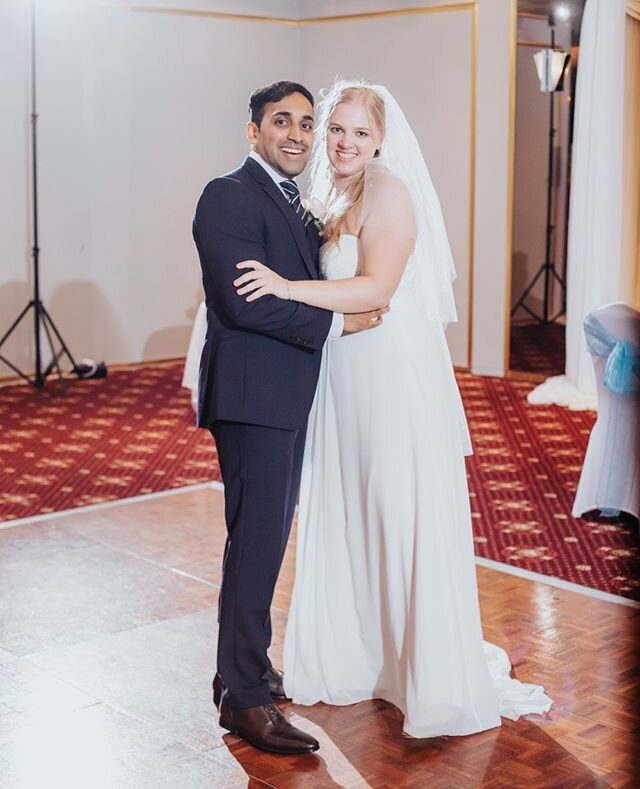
15 282
436 98
139 109
493 184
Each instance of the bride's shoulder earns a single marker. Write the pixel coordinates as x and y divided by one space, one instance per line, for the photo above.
380 180
379 176
385 192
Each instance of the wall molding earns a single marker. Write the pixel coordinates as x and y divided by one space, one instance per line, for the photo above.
513 55
290 21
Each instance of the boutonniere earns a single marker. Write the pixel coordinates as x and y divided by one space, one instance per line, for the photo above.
315 214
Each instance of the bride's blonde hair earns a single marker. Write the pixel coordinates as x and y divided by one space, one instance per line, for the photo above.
347 202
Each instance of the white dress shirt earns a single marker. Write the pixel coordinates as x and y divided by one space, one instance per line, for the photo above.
337 324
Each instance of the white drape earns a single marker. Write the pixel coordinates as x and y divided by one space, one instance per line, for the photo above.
594 265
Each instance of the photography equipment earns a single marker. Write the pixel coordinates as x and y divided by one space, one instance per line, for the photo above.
42 321
551 65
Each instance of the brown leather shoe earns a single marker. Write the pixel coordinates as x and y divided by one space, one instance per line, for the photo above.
266 728
273 677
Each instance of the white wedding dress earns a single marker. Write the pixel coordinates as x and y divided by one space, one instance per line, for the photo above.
385 601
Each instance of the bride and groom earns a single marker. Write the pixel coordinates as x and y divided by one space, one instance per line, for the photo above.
367 426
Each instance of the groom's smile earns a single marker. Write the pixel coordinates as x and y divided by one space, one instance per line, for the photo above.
285 134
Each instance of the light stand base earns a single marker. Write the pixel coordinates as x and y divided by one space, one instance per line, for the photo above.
549 271
40 376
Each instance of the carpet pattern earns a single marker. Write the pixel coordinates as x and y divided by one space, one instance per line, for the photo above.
537 348
133 433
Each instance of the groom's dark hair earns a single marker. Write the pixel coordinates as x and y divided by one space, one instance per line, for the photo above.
271 93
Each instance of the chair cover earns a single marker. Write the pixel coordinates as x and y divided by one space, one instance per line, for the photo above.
192 363
610 474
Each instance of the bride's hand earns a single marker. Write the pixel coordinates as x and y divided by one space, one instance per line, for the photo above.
260 281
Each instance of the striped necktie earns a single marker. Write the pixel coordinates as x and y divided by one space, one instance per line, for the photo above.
292 193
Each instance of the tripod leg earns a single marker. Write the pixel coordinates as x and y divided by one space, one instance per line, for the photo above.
65 349
16 322
530 312
528 289
52 364
45 322
555 274
17 370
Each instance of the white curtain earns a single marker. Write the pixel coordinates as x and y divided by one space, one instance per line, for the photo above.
594 265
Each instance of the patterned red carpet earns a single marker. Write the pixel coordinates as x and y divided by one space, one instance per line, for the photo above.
133 433
537 348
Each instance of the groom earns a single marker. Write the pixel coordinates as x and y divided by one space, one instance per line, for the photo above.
258 375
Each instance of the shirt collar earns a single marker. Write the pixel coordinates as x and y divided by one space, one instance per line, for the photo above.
275 176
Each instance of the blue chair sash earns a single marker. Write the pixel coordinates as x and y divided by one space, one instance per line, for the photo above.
622 370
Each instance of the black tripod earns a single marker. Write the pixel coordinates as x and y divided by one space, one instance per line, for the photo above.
548 268
42 319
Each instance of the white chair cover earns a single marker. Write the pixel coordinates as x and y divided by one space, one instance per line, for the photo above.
192 363
610 479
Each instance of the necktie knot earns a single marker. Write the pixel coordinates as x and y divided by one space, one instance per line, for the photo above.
290 187
292 193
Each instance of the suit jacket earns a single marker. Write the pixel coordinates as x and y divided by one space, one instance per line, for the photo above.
260 360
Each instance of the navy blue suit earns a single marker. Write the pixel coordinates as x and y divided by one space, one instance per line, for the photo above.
258 375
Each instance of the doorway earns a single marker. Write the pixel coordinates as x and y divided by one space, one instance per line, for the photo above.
543 137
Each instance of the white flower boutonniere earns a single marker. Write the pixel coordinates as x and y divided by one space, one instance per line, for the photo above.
315 213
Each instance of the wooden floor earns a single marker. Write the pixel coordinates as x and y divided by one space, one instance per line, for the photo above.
107 645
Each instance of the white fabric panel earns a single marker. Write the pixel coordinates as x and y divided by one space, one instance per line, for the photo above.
594 266
594 262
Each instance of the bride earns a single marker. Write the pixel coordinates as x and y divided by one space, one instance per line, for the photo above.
385 602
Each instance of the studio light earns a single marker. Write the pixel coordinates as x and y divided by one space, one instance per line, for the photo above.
550 65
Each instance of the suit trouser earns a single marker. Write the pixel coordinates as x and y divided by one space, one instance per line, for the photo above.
260 469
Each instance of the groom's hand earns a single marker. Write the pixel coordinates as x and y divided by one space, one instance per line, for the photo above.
361 321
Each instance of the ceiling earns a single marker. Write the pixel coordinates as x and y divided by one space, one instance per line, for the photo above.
546 7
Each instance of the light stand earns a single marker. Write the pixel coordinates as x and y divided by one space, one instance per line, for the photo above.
42 319
551 66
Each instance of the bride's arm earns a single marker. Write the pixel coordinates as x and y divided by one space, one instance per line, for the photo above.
385 247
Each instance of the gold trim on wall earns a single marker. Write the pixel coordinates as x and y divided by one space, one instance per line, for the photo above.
432 9
513 49
530 15
472 179
539 44
290 21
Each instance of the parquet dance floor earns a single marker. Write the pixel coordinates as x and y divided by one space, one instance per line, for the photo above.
107 645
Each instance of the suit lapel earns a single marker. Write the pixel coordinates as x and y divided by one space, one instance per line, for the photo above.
295 225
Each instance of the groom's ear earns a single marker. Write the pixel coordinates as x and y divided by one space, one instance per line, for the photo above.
252 132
